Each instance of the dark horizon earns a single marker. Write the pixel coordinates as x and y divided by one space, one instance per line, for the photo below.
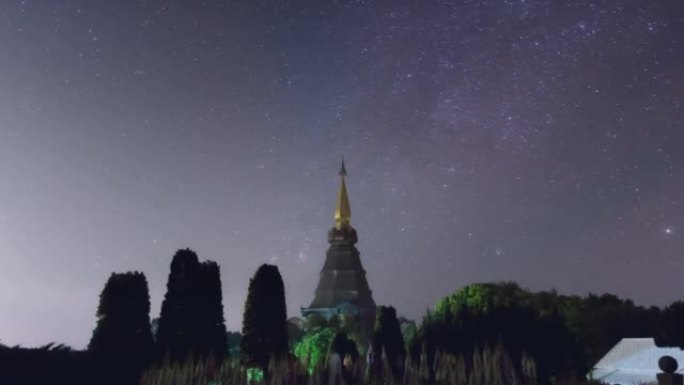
529 141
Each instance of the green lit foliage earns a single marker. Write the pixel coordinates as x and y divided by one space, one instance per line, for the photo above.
584 328
255 375
314 347
233 340
505 313
482 298
409 332
346 323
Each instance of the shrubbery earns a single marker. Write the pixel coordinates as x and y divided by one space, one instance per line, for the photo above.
487 366
313 348
483 334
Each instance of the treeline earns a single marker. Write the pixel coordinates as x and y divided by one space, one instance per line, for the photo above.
191 323
559 336
49 364
191 317
191 320
566 335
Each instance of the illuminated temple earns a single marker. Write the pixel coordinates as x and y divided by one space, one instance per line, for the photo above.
342 288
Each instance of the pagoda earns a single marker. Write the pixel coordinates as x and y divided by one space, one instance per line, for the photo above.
342 288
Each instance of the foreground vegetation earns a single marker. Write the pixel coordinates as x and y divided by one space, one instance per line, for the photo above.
564 333
489 366
483 334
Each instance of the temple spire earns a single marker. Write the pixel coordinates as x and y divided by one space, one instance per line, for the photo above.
342 209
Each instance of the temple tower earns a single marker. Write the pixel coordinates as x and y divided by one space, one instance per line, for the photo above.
342 287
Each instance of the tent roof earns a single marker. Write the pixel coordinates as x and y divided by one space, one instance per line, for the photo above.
634 361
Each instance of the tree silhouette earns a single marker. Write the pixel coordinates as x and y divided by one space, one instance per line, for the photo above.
343 345
387 336
178 319
49 364
213 338
191 318
233 339
154 325
122 340
522 322
264 324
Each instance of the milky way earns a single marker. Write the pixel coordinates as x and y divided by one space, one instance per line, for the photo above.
535 141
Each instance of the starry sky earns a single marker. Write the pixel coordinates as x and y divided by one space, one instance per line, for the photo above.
539 141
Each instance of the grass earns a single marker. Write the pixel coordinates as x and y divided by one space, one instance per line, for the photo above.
488 366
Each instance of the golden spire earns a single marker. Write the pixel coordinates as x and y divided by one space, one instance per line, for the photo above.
342 209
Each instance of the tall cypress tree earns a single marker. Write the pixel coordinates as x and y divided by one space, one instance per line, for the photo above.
388 337
122 340
264 324
213 339
178 320
191 318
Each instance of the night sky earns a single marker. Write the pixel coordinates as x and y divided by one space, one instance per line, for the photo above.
528 140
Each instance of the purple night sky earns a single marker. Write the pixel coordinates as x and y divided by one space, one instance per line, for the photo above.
538 141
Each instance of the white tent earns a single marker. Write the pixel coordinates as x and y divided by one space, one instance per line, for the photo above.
634 361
